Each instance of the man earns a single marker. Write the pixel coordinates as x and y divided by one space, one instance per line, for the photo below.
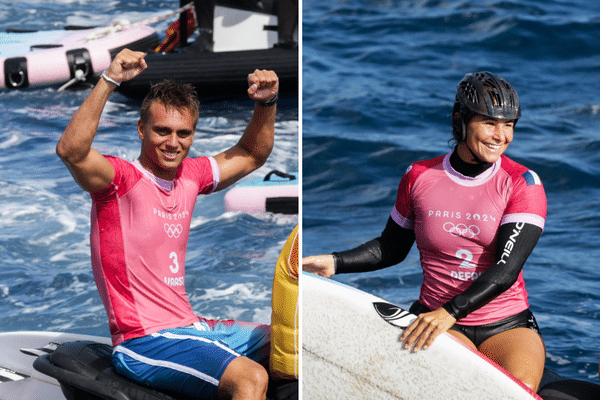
141 215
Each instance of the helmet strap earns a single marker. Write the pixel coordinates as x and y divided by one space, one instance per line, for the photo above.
477 159
464 136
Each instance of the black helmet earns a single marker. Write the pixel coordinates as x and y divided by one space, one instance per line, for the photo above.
486 94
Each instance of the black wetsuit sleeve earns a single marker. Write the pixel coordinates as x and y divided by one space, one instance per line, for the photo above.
388 249
514 245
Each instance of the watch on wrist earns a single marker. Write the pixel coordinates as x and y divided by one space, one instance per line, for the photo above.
270 102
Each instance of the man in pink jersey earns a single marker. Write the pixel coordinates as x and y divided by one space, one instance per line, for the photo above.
476 216
141 214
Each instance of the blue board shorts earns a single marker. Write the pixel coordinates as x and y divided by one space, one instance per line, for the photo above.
191 360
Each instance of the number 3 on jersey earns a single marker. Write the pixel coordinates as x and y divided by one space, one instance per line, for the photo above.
174 267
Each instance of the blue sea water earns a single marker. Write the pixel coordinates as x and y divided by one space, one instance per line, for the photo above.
46 280
378 84
379 79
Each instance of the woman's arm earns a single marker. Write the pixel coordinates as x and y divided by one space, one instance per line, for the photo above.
388 249
515 243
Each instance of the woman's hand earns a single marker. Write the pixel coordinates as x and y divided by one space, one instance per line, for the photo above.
321 265
426 328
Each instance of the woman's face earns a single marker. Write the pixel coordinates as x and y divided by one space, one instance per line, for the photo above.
487 139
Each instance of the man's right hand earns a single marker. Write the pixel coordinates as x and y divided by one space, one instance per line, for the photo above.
126 65
90 169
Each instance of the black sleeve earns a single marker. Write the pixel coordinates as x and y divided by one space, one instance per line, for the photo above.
515 243
388 249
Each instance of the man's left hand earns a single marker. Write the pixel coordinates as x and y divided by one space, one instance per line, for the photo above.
263 85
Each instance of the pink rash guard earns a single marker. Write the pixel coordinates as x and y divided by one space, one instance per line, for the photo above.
139 235
455 219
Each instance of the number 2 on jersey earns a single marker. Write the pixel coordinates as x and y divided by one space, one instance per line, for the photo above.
467 257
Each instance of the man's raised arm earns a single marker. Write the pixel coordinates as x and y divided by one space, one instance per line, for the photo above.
255 145
89 168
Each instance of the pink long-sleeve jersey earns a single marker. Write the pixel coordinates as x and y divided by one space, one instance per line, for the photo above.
456 218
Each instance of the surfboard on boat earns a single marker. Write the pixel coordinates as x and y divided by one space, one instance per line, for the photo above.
59 366
63 366
52 57
276 192
351 350
18 350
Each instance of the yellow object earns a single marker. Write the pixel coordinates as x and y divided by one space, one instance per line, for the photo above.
284 317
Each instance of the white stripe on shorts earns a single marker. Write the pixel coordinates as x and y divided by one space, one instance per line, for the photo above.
168 364
170 335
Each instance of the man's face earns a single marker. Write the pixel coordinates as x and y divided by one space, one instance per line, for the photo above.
166 139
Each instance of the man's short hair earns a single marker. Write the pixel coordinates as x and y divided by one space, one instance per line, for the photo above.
180 96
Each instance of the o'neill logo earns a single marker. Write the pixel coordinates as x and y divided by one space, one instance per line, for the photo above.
394 315
173 230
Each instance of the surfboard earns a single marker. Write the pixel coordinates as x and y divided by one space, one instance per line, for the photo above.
18 350
277 192
44 58
351 350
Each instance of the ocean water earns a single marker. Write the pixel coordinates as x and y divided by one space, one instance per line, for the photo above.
46 280
379 79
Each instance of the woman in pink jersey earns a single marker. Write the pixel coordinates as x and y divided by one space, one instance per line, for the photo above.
476 216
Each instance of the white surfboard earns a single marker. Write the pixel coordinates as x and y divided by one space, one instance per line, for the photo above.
18 379
351 350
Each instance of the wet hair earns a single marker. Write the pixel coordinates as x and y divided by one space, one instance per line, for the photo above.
180 96
483 93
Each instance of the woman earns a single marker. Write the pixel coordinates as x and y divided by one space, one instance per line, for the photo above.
476 216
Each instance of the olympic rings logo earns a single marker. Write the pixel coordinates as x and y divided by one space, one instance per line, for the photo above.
463 230
173 230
